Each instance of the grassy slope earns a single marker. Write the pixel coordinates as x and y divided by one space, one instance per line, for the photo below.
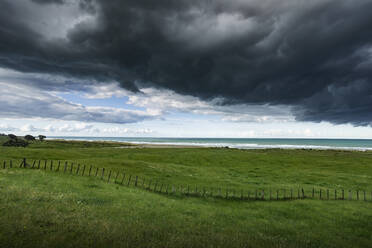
53 209
50 209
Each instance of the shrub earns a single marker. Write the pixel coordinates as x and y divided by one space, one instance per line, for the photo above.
29 137
42 137
16 142
12 136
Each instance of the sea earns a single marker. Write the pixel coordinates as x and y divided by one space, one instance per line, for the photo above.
242 143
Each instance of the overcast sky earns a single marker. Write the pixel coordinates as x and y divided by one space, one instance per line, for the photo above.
186 68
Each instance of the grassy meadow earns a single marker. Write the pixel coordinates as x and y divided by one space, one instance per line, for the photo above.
48 209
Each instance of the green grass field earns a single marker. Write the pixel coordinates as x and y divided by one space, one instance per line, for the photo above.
42 208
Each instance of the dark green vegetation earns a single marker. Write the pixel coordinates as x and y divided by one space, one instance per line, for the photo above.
56 209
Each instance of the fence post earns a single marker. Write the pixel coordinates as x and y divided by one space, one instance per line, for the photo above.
263 195
83 170
4 164
313 193
108 179
219 192
320 194
72 166
291 194
130 177
59 164
96 172
24 163
51 165
11 164
116 177
149 186
285 194
90 170
303 193
122 180
350 195
343 194
364 195
33 164
227 193
38 165
45 164
103 173
327 194
78 169
143 184
161 188
358 195
166 189
335 194
135 183
64 170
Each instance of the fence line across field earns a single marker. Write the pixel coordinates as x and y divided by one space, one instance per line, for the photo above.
112 176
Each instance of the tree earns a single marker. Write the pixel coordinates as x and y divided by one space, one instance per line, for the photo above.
42 137
29 137
12 136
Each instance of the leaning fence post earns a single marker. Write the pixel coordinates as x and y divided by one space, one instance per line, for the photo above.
103 173
116 177
72 166
166 189
122 180
38 165
90 170
4 164
108 179
59 164
135 183
77 170
24 163
96 172
303 193
45 164
33 164
130 177
83 170
51 165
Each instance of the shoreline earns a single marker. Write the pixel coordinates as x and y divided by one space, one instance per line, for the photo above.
124 144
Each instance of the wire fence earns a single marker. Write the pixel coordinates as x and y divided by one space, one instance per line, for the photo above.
124 179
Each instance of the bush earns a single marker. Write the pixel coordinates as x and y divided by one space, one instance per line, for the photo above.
42 137
29 137
16 143
12 136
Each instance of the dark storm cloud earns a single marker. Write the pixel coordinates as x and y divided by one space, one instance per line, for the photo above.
313 55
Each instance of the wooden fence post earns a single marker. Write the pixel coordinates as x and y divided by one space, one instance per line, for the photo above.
51 165
78 169
96 172
135 183
64 170
166 190
303 193
130 177
122 180
313 193
38 165
24 163
103 173
83 170
59 164
149 186
327 194
45 164
11 164
116 177
90 170
358 195
143 183
343 194
33 164
108 179
335 194
4 164
350 195
320 194
71 168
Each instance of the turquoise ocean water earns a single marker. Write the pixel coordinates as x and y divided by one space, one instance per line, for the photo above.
344 144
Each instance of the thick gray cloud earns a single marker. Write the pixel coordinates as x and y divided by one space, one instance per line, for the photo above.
313 55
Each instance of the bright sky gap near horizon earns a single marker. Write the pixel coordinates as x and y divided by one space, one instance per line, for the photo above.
186 68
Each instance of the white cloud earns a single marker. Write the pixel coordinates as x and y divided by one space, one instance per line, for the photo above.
21 101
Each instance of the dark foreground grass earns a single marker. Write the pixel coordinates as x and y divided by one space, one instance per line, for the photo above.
46 209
